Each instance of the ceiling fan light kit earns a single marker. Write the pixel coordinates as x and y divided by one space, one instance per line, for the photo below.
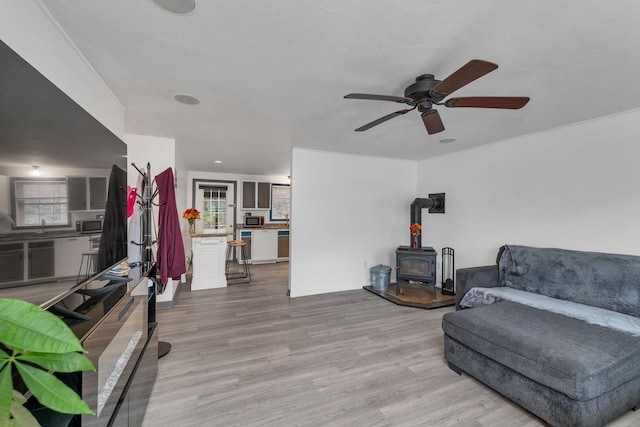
179 7
427 92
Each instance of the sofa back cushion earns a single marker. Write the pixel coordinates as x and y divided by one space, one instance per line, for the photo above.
609 281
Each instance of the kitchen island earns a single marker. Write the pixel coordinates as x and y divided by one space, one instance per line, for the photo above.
208 260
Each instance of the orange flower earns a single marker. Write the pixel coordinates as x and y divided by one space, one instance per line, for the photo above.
191 214
415 229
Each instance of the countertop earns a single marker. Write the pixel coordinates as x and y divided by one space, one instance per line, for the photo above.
33 235
266 227
200 234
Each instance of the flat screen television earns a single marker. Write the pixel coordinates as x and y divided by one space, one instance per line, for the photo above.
44 132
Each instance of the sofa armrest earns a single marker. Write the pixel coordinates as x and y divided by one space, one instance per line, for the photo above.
467 278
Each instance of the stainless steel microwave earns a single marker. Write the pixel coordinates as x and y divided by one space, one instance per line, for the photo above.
251 221
92 226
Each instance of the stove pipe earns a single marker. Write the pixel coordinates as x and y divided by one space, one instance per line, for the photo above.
435 204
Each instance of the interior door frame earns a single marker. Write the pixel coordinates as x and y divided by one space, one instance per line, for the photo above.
194 191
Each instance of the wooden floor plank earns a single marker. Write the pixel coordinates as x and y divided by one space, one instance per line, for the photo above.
248 355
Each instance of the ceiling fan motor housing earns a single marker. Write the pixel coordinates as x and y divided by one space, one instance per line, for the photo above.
420 90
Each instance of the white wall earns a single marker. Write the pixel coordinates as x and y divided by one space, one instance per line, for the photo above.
27 27
160 154
142 149
348 213
181 174
575 187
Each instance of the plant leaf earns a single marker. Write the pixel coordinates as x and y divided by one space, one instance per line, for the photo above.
59 362
19 397
22 416
6 217
51 392
6 392
28 327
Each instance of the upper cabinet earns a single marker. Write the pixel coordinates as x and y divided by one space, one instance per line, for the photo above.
97 193
256 195
77 193
80 199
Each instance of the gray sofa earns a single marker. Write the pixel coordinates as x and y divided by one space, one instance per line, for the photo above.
556 331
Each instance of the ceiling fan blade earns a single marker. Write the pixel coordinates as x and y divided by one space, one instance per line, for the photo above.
469 72
382 120
401 99
432 122
509 102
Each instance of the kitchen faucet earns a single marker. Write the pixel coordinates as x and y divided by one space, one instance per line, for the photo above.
44 223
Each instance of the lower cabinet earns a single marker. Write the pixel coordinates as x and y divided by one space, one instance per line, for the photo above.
68 255
283 245
41 259
12 262
265 245
245 236
35 260
209 254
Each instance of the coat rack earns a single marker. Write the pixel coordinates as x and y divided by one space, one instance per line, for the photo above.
146 202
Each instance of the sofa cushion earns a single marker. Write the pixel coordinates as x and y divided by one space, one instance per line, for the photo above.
609 281
478 297
575 358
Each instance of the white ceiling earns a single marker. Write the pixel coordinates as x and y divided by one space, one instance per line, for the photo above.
272 74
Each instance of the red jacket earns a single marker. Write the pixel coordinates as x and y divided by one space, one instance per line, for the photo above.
171 258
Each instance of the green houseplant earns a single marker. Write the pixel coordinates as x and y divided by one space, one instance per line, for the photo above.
34 342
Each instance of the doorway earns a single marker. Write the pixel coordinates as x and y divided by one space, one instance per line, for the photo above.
216 200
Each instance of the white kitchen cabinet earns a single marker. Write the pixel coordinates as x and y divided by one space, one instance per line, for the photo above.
245 236
208 262
264 246
68 254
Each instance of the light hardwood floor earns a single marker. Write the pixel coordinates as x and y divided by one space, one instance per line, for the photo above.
248 355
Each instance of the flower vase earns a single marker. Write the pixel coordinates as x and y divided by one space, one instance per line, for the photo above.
192 227
415 242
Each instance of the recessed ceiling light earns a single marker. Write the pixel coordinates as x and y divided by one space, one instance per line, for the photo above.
447 140
217 161
186 99
181 7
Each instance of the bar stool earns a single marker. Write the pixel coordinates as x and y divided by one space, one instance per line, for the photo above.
90 266
236 275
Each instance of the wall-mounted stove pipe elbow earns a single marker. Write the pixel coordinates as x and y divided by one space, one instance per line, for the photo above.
435 204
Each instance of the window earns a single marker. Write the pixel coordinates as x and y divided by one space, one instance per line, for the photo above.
280 202
214 213
40 201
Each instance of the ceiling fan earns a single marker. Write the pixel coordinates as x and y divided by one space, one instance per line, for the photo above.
427 92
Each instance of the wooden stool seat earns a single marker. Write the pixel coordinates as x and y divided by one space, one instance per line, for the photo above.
243 276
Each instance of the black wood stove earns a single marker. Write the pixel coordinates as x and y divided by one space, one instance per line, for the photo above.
416 266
